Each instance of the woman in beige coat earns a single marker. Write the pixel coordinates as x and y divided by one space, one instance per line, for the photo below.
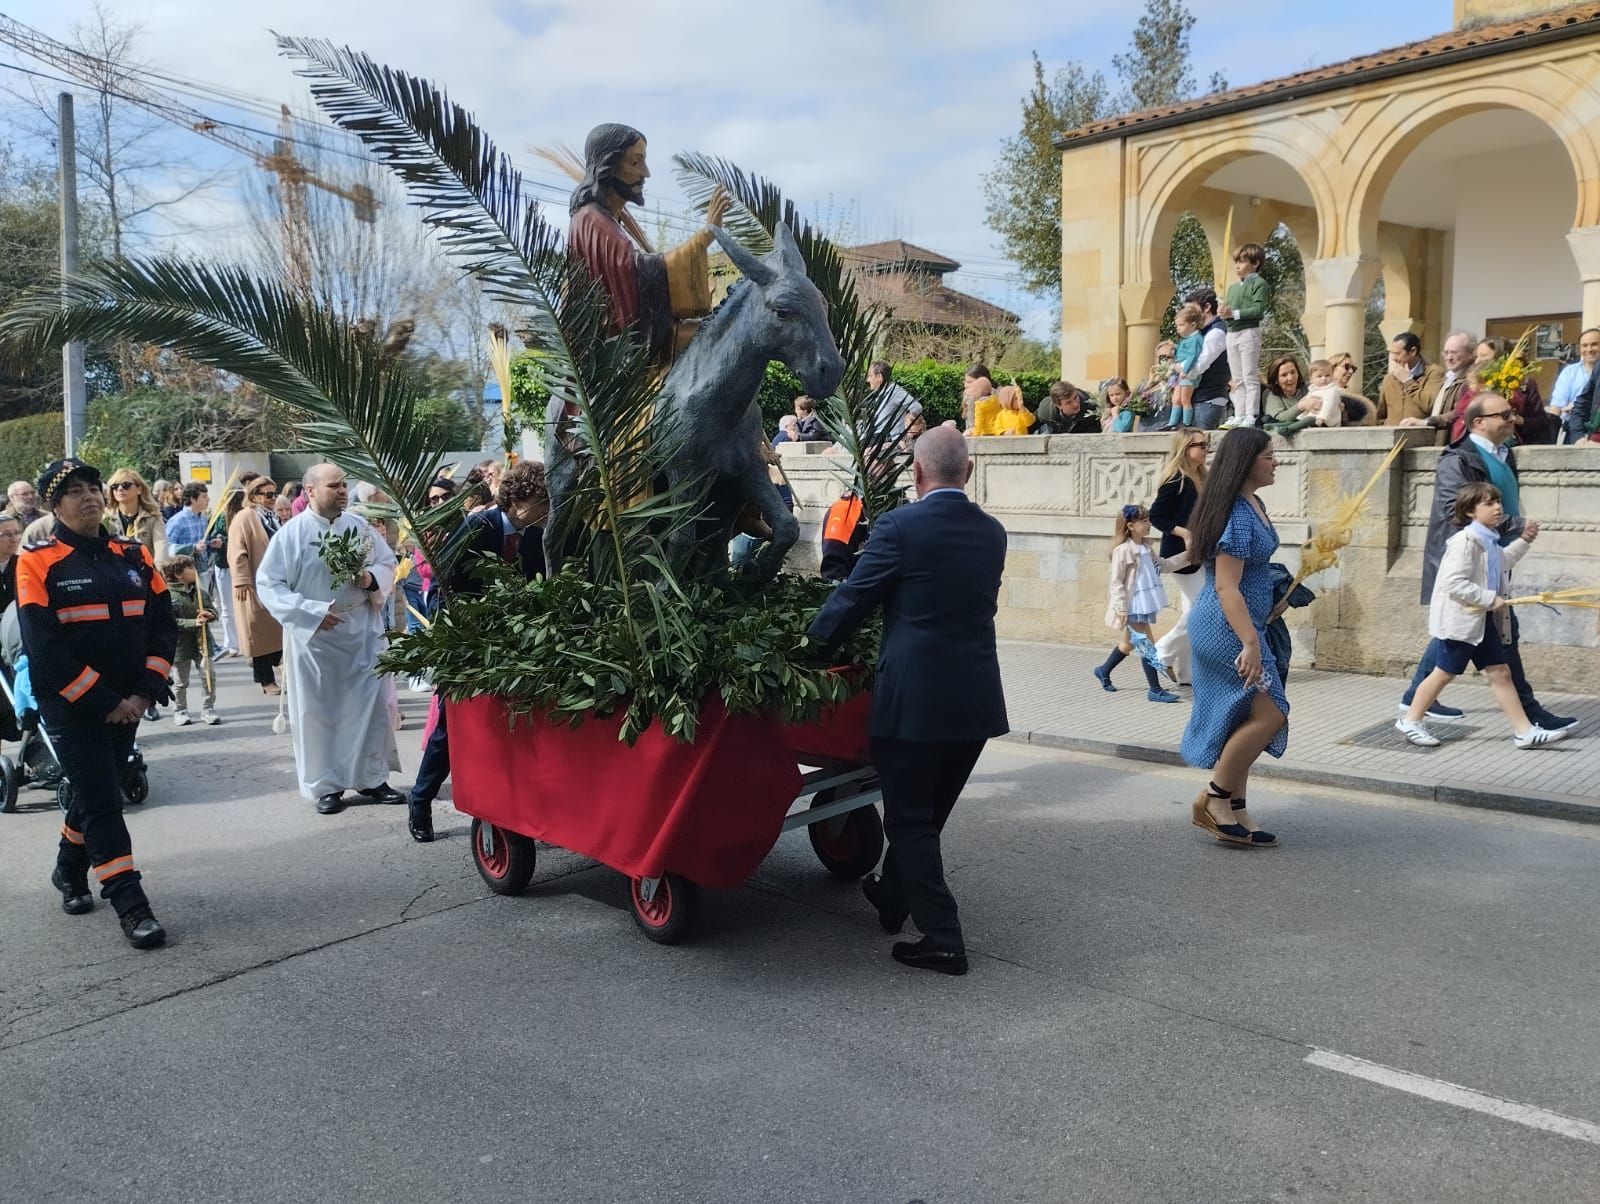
260 637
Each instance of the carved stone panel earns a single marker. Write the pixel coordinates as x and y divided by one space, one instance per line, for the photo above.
1116 481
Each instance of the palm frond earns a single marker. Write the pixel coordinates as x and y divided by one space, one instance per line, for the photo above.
876 456
361 405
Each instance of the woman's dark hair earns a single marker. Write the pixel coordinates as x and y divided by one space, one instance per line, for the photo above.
979 369
1271 380
1230 468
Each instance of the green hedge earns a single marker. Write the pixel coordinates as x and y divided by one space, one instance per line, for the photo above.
937 386
28 444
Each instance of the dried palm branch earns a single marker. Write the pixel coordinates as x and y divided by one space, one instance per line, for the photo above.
1586 597
1321 550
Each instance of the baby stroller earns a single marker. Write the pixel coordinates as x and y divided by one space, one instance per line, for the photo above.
35 762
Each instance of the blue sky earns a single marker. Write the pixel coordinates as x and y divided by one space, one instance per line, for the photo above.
880 117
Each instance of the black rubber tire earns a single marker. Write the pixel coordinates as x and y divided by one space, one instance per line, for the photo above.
506 867
10 784
64 796
670 916
136 786
849 845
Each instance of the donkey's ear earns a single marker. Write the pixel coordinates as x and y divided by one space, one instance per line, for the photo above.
783 239
748 264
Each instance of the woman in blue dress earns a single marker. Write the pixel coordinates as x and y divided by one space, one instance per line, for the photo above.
1240 710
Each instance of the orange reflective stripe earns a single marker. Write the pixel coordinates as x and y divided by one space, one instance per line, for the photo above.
158 583
79 685
72 834
117 865
843 516
156 665
87 613
133 608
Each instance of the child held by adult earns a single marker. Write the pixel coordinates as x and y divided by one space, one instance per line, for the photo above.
1469 620
194 649
1137 597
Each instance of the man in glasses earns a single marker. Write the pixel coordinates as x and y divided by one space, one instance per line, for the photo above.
1479 455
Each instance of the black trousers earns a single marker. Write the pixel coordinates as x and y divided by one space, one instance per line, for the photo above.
435 767
1519 677
261 667
921 782
94 836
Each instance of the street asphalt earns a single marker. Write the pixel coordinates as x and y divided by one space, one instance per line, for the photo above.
345 1015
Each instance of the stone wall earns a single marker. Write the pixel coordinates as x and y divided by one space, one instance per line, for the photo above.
1057 496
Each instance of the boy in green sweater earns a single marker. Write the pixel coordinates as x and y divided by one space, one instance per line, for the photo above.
1244 308
194 651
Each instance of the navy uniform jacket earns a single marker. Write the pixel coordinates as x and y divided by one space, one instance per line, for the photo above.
935 568
96 622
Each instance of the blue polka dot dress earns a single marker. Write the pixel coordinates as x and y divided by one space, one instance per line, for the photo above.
1221 701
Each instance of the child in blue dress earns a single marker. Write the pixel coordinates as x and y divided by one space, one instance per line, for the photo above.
1137 596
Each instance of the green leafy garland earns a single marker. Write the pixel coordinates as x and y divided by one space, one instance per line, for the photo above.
556 645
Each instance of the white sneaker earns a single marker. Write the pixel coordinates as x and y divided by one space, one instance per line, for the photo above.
1538 737
210 717
181 719
1234 424
1418 733
419 685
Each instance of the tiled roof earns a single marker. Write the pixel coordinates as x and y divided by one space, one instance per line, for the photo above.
1576 20
910 299
897 253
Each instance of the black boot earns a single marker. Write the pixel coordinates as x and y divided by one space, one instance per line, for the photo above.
419 819
141 928
75 896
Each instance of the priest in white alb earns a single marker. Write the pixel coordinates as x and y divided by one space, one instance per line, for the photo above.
343 738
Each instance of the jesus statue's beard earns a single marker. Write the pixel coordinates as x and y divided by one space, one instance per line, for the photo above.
633 194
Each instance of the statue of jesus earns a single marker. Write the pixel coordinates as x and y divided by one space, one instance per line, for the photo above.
655 293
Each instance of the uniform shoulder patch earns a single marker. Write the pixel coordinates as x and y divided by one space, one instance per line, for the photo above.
49 541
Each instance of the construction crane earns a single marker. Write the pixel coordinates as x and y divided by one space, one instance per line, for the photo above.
292 175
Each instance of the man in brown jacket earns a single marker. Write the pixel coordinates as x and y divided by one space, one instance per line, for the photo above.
1410 386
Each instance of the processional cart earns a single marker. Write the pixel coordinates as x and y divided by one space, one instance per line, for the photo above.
673 817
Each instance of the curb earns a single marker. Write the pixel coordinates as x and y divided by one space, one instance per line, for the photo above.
1544 804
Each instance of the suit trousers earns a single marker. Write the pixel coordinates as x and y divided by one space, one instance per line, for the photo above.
93 755
435 767
921 781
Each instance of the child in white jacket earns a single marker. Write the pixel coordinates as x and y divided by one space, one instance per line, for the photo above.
1467 616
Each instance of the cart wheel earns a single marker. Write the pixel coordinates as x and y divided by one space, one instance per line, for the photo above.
64 796
505 860
10 783
136 786
848 845
668 915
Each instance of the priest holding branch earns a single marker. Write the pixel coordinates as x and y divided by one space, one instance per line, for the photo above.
326 578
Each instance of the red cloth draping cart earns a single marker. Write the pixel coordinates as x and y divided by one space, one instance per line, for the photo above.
669 815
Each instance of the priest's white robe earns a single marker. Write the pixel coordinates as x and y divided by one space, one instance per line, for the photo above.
343 738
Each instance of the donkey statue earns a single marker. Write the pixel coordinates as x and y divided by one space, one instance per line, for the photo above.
775 313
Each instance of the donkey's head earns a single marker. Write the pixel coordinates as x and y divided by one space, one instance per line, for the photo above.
791 319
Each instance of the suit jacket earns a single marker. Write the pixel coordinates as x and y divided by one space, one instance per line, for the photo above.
484 535
1459 466
1411 398
935 568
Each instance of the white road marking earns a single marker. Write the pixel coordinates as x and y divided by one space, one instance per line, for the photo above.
1461 1097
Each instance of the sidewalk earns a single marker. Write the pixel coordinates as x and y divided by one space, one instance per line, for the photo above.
1341 733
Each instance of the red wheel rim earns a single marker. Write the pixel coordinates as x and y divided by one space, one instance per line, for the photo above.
656 912
838 837
497 860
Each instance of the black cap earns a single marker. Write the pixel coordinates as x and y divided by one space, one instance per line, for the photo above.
55 477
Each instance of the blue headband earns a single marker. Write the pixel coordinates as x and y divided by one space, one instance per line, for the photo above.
1130 513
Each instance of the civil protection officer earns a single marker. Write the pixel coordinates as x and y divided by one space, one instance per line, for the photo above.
98 628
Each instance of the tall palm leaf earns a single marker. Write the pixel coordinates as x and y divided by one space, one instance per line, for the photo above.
360 406
472 196
876 453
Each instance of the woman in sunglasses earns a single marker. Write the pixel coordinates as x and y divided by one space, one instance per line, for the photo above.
260 636
133 513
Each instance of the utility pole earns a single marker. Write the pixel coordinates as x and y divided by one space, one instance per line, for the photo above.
74 396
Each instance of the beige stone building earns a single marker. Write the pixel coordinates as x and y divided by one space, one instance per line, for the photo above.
1462 171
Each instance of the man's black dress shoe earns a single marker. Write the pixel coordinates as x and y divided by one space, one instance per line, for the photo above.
383 794
419 819
331 804
920 957
1554 723
890 921
142 929
75 899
